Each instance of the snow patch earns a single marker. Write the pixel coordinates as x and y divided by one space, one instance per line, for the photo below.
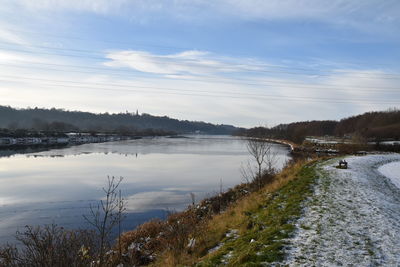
225 259
217 247
392 171
231 234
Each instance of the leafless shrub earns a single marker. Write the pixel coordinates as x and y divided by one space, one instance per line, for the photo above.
140 246
50 246
180 225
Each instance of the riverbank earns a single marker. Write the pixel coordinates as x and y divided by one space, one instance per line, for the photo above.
232 228
310 213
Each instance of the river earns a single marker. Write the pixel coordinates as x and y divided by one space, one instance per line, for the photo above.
58 186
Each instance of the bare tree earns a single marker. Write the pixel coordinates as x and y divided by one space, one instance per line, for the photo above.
107 214
262 153
258 149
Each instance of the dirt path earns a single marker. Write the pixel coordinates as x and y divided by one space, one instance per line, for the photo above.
353 219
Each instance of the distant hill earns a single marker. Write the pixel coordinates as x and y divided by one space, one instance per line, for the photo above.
380 125
371 125
63 120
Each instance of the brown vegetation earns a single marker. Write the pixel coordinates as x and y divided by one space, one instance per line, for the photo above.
50 246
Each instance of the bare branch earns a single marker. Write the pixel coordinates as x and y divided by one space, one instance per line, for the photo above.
108 214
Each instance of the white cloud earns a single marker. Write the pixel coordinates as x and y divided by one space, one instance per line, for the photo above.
20 59
363 83
187 62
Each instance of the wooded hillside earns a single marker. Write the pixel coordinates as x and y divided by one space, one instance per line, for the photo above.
63 120
373 125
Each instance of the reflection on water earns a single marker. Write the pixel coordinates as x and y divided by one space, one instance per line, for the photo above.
57 186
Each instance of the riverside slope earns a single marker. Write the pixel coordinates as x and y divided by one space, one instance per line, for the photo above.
352 219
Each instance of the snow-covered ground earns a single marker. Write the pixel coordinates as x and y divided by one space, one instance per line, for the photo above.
392 171
353 218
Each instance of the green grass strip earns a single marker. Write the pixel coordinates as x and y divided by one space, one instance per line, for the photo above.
268 227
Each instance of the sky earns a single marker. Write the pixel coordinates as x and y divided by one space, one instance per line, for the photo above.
241 62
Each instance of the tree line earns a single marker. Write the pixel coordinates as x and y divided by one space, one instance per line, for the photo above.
60 120
377 125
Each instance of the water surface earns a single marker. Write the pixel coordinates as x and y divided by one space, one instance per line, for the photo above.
58 186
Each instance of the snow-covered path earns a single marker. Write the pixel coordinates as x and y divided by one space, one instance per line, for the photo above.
353 219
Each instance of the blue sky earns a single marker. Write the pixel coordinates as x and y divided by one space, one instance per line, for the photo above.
240 62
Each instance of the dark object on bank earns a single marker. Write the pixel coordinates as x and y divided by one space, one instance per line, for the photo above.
342 164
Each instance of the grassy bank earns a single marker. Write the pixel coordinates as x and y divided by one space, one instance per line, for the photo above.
251 231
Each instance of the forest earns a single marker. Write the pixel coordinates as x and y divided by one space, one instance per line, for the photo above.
376 126
60 120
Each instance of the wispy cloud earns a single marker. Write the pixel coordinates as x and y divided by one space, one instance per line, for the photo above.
365 14
20 59
11 37
187 62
